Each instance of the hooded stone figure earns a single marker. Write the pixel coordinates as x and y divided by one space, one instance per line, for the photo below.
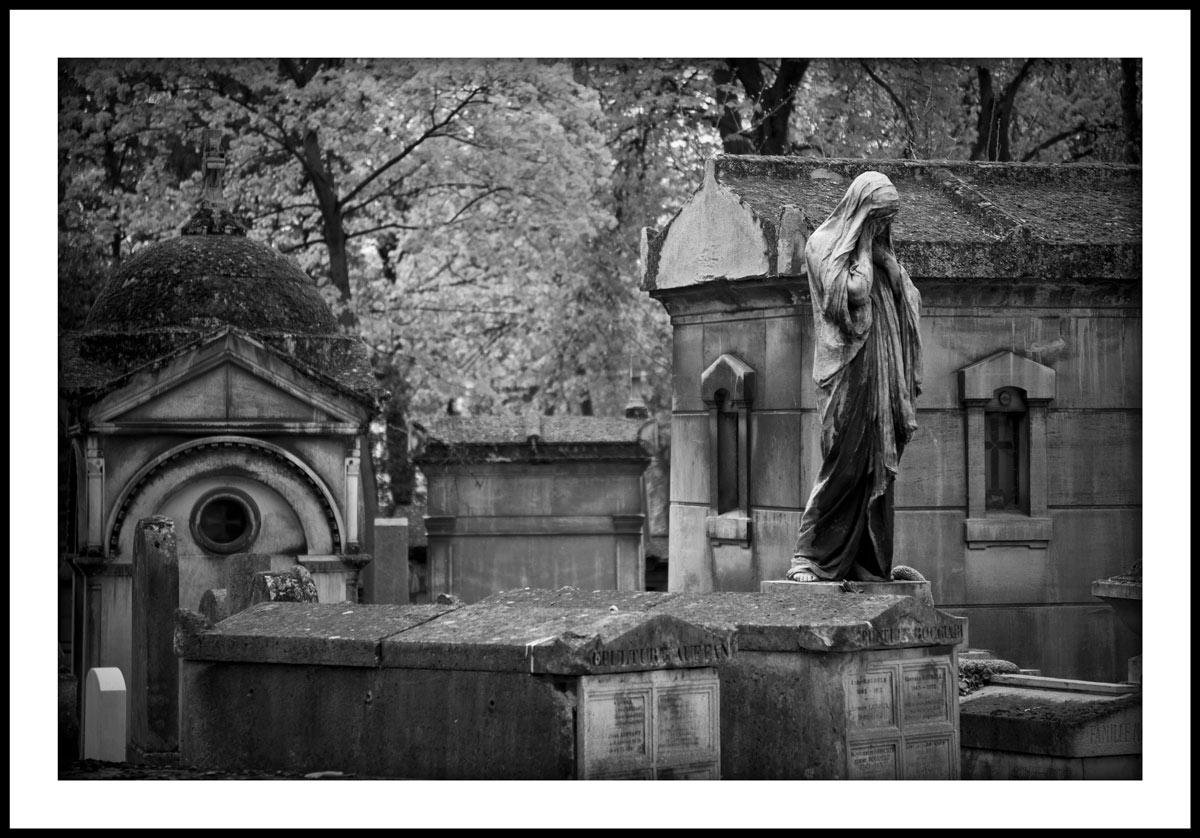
867 368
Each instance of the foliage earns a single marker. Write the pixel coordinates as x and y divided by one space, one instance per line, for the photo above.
477 222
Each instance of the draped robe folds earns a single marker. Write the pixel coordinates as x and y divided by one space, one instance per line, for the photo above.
867 368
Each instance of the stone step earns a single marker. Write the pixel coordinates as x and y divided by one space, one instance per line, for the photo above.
977 655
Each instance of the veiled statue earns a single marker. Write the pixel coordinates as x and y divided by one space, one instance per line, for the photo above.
867 369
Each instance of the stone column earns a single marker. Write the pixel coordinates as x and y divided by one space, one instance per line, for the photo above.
385 580
154 676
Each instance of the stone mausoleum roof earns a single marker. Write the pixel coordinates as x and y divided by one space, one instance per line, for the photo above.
172 294
498 438
958 220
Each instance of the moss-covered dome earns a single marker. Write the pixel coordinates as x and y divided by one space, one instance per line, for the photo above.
202 281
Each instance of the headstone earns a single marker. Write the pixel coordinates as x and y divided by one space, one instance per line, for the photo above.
104 712
154 669
240 569
294 585
387 577
214 605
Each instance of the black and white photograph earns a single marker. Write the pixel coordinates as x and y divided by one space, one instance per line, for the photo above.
534 408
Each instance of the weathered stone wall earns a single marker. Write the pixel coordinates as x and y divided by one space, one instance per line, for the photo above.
500 526
1032 606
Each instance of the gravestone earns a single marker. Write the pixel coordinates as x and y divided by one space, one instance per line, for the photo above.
154 669
451 692
240 570
214 605
104 710
386 578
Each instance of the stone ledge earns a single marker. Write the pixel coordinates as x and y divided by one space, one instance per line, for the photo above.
919 590
1006 529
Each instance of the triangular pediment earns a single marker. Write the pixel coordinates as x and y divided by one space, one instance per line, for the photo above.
229 378
980 380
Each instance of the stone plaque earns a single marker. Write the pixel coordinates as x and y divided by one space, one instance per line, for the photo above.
930 758
874 761
926 693
618 726
683 719
902 719
871 699
649 725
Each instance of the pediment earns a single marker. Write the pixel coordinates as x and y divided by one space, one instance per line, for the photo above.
231 378
980 380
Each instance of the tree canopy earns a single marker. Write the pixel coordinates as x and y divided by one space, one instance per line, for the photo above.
477 222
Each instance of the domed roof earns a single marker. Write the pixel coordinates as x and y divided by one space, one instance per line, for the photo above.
203 281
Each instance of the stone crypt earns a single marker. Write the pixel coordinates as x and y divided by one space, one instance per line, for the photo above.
210 384
1023 481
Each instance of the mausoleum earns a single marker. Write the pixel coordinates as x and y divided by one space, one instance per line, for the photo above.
540 502
211 385
1022 484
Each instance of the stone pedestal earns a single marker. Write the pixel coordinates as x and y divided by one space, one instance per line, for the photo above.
488 691
154 681
825 684
920 590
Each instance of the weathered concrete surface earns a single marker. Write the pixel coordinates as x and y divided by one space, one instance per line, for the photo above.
1014 733
557 640
406 723
435 692
308 633
920 590
819 622
784 693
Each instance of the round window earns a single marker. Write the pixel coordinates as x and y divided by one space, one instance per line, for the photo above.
225 521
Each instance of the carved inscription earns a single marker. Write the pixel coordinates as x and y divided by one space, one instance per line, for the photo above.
685 719
618 724
873 761
926 693
1108 734
910 635
651 657
871 700
662 724
927 759
902 720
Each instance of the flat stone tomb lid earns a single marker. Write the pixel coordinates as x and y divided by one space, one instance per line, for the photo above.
818 622
1051 722
331 634
577 598
554 640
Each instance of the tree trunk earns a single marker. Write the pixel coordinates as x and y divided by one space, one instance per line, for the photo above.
1129 111
996 114
778 102
331 217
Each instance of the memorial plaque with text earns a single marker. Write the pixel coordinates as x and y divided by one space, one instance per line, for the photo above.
902 720
871 699
650 725
926 693
929 758
874 761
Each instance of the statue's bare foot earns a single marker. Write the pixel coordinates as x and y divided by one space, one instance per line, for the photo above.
803 576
